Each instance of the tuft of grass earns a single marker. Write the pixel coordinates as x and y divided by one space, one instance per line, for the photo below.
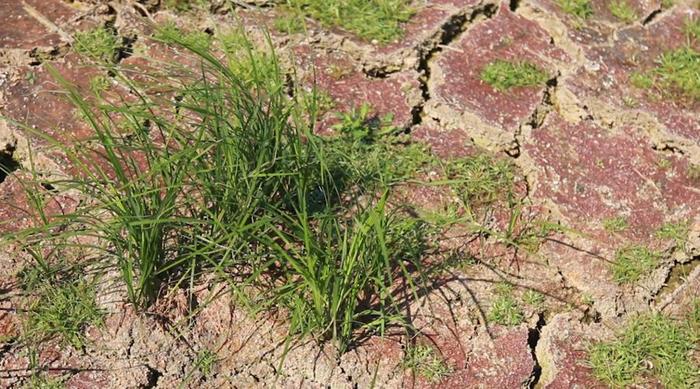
649 344
677 72
480 180
169 32
677 232
504 308
42 381
206 361
63 311
504 75
379 20
622 10
692 28
580 8
99 44
425 362
533 298
615 224
184 5
290 23
633 262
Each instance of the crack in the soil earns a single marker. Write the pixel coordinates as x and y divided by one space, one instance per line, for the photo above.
533 337
8 163
450 31
537 117
650 18
153 375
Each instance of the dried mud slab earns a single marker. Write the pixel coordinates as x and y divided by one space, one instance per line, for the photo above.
460 99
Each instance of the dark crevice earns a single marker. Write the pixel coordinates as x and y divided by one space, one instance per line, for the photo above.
651 17
537 117
668 149
533 337
153 376
513 5
451 31
7 162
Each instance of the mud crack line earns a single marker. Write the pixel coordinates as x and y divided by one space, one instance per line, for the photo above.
533 337
449 32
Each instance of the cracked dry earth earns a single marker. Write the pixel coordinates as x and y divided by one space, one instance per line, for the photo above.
586 154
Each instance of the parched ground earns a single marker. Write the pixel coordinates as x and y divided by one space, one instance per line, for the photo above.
591 147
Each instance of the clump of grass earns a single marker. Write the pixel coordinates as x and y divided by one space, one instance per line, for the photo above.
692 28
290 23
631 263
184 5
379 20
481 179
615 224
677 232
648 345
622 10
206 361
677 72
99 44
43 381
198 40
580 8
504 75
62 311
426 362
533 298
504 308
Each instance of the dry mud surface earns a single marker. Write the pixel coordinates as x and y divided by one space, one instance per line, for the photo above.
586 153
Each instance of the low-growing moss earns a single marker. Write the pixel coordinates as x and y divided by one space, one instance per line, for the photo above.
504 75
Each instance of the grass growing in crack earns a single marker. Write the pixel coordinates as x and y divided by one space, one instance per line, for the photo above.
504 75
677 71
425 362
62 311
677 232
43 381
580 8
649 345
480 180
379 20
615 224
631 263
692 28
99 44
622 10
206 361
504 308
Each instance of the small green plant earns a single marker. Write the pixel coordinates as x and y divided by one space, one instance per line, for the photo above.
504 75
169 32
290 23
615 224
631 263
504 308
693 172
622 10
677 232
677 72
62 311
42 381
425 362
580 8
481 179
184 5
379 20
206 361
649 344
100 44
692 28
533 298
